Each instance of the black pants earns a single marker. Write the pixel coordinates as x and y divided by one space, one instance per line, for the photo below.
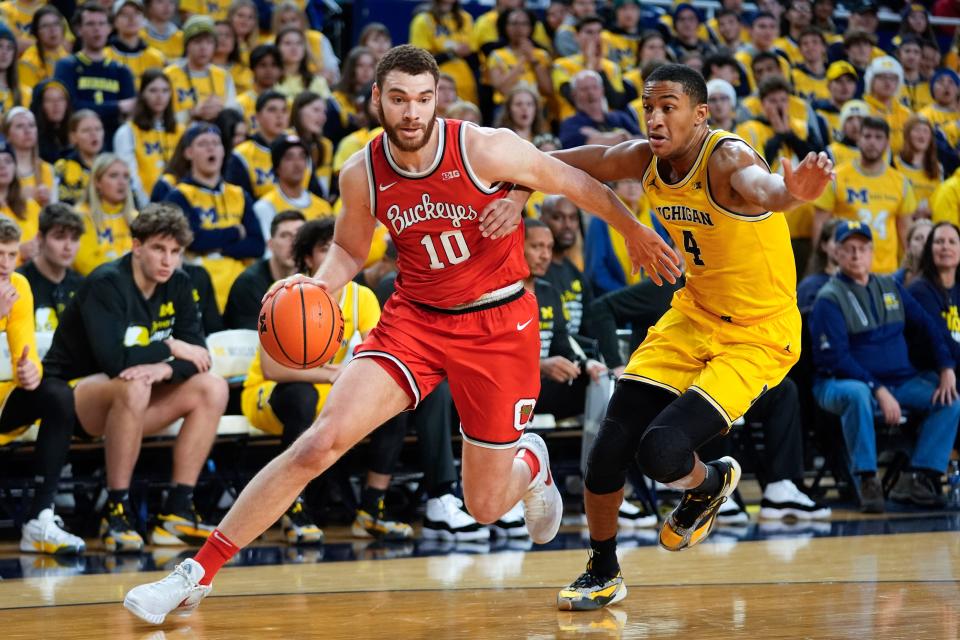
52 404
561 399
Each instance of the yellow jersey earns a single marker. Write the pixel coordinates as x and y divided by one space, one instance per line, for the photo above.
485 32
757 133
169 44
30 222
28 184
109 242
137 62
190 88
565 68
916 96
796 109
938 116
351 144
621 48
33 67
18 16
153 149
790 48
842 153
809 85
70 178
276 201
504 59
874 200
439 38
19 328
216 9
923 185
739 267
896 116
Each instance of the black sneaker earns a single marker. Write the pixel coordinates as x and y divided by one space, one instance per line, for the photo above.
117 530
186 528
696 515
918 488
298 527
871 495
590 591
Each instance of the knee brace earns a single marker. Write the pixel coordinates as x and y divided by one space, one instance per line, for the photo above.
609 458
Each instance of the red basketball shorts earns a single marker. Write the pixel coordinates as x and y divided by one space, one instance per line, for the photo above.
490 356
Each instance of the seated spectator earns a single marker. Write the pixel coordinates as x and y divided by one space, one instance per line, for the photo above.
446 94
108 211
21 211
285 401
201 90
590 58
593 123
35 175
178 167
722 66
930 58
249 165
521 113
321 57
72 171
918 161
225 229
846 147
358 73
917 236
871 191
103 86
266 67
147 141
722 100
215 9
686 33
446 31
487 34
308 115
797 16
842 86
944 88
520 61
862 364
52 110
246 294
290 169
368 121
935 288
776 133
915 91
52 280
160 30
29 397
46 46
764 31
809 77
767 66
881 90
563 219
126 46
297 76
227 56
463 110
244 19
821 266
133 334
206 298
376 37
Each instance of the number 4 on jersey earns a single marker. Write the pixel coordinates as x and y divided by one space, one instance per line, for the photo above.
453 256
690 246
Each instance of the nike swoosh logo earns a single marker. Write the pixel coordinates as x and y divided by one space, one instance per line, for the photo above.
384 187
521 327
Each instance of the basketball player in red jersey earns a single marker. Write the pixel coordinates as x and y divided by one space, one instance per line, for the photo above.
460 311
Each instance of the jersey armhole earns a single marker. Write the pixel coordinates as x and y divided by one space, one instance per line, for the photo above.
368 160
744 217
462 138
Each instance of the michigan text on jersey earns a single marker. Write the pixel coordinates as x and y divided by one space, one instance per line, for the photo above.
680 213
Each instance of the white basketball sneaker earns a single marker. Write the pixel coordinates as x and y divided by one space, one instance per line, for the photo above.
542 504
179 592
45 534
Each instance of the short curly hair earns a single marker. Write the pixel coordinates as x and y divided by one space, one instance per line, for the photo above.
407 59
9 230
162 219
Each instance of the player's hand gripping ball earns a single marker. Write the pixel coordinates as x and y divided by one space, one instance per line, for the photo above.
301 326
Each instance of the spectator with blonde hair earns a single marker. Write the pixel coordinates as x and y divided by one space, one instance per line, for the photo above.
917 236
521 113
918 161
36 176
320 54
297 76
24 212
463 110
108 210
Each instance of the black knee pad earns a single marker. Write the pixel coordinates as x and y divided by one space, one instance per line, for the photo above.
295 405
609 458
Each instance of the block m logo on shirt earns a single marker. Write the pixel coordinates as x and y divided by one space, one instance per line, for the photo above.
855 195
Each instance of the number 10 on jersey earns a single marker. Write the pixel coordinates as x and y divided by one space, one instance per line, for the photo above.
453 245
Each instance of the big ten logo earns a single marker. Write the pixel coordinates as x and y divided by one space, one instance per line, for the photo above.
262 176
856 195
450 175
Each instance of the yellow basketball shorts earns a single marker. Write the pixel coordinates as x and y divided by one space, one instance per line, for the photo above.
255 405
729 365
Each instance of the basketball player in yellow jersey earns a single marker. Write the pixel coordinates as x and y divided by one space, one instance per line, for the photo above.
731 333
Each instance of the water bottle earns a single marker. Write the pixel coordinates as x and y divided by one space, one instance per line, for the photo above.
953 484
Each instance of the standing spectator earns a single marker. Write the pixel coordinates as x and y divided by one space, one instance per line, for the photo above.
358 73
12 93
249 165
797 18
227 56
126 45
845 147
590 58
915 91
520 61
71 172
36 176
809 76
620 40
146 143
522 114
842 86
320 54
288 157
918 161
722 100
945 89
593 123
267 68
52 279
201 89
51 109
30 396
245 21
862 362
871 191
246 294
881 88
108 211
446 30
36 63
297 76
225 230
160 30
21 211
307 118
96 83
930 58
763 32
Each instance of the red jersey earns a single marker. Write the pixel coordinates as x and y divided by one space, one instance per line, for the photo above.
433 217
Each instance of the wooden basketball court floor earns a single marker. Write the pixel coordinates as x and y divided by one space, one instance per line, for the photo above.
852 578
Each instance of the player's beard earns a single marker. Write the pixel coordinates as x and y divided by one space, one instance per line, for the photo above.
398 142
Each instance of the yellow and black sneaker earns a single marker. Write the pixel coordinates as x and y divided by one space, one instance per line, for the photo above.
298 526
696 515
180 528
366 525
118 533
590 591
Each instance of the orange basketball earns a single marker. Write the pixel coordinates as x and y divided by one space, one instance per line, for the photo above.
301 327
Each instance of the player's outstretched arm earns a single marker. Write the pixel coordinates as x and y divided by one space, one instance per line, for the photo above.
625 161
500 155
758 186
